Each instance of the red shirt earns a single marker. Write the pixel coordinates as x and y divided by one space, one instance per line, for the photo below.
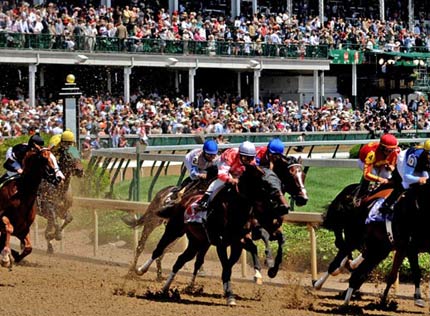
373 158
230 165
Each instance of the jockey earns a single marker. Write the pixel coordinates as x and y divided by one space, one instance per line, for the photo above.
413 166
230 167
199 162
377 160
266 155
16 154
65 143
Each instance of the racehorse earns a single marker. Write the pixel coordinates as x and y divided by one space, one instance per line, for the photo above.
347 221
288 169
150 220
226 225
55 201
17 201
409 237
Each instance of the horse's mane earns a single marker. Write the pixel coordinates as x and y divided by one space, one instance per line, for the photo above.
340 209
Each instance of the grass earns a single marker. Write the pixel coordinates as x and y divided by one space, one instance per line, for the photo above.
322 184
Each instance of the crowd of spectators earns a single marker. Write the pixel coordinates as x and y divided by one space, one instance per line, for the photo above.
79 27
154 115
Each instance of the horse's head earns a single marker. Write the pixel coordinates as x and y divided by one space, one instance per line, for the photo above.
290 172
40 163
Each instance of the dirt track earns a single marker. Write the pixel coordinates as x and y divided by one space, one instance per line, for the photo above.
65 285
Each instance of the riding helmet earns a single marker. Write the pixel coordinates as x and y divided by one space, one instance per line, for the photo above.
35 140
68 136
276 146
427 145
210 147
247 149
389 141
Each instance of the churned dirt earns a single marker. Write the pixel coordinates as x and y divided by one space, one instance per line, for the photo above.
76 283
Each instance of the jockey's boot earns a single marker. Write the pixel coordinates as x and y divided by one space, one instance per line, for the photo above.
283 207
387 206
204 202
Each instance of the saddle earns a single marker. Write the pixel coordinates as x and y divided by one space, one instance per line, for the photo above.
6 178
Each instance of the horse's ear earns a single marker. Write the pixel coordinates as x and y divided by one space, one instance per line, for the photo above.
299 160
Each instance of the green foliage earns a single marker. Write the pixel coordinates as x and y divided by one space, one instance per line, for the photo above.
354 151
95 182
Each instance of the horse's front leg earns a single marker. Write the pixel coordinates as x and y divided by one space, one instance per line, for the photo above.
252 249
227 265
341 258
273 271
416 272
392 276
27 249
6 252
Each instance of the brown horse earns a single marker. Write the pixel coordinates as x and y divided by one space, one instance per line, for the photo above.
55 201
17 201
289 171
408 238
226 226
150 220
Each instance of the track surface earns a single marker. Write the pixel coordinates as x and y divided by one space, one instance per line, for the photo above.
63 284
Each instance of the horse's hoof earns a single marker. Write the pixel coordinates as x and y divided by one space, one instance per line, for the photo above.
139 272
420 302
231 301
272 272
317 285
258 281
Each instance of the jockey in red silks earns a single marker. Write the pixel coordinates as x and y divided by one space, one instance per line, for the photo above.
231 166
377 160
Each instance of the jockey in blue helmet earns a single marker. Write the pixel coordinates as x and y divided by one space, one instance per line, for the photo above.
267 154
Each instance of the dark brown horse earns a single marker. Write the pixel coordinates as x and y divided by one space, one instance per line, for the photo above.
150 219
409 237
226 225
17 201
347 221
289 171
54 201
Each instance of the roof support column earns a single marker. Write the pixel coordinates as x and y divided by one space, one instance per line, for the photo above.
322 84
109 80
235 8
191 75
254 6
316 90
382 10
290 7
411 20
127 73
173 5
257 75
32 69
321 11
354 85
